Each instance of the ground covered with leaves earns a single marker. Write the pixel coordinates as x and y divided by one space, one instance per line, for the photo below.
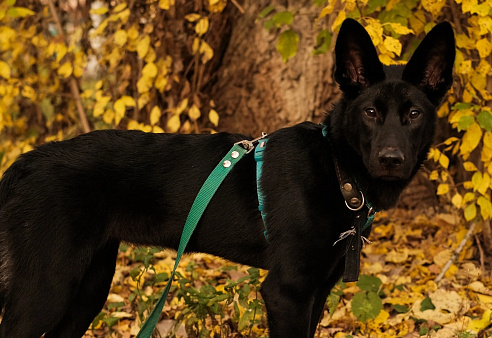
396 296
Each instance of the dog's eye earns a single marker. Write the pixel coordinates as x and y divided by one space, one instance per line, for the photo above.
370 112
414 114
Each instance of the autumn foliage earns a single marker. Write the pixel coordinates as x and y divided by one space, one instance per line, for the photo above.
65 70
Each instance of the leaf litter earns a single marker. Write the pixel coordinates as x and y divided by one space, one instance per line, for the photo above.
396 296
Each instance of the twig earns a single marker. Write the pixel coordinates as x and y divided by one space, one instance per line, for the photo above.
239 7
457 252
480 250
74 87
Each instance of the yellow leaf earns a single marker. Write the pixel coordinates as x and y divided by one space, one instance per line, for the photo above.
192 17
173 124
150 70
119 107
434 175
392 45
120 37
457 200
484 47
480 324
155 115
400 29
120 7
470 212
157 129
216 6
469 196
206 51
484 186
443 110
182 106
143 99
327 10
194 113
144 84
99 11
375 31
132 33
433 6
108 116
143 46
4 70
485 207
487 139
444 161
164 4
65 70
128 101
213 116
28 91
470 166
338 20
202 26
442 189
471 139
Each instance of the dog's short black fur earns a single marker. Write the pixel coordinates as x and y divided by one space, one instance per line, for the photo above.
66 206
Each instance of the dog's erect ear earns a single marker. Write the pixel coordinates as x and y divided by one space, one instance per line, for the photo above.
357 63
431 66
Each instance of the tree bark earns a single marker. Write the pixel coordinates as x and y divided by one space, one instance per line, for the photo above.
255 90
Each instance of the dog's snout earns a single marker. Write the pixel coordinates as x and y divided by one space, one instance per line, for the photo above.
391 157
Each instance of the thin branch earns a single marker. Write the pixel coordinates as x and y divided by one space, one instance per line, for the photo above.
457 252
74 87
239 7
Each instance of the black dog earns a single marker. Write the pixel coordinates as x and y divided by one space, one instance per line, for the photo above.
66 206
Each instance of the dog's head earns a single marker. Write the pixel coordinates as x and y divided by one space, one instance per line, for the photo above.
388 114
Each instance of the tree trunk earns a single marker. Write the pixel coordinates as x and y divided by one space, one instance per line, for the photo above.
255 90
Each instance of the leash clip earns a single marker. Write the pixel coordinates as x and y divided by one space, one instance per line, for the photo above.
249 145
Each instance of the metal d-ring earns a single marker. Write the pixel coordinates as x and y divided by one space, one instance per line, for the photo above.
361 204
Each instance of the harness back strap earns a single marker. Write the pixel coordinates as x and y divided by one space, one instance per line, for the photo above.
197 209
259 168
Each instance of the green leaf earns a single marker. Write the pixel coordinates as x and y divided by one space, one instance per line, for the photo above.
283 18
426 304
366 305
319 3
287 44
375 4
484 119
465 122
115 305
323 42
462 106
245 319
369 283
400 308
19 12
423 331
334 296
265 11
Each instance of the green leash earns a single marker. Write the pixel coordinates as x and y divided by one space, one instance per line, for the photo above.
201 202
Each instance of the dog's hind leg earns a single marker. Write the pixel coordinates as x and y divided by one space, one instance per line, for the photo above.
91 295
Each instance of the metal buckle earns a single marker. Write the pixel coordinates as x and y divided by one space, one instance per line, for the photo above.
362 203
249 145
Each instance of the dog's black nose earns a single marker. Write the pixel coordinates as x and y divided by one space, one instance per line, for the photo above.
391 157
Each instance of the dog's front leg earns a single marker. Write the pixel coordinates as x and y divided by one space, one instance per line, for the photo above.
289 303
